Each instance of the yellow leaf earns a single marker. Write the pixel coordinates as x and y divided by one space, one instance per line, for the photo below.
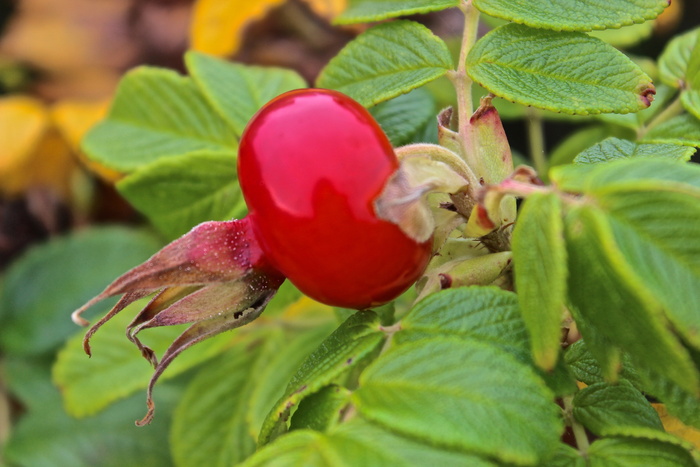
73 119
327 8
676 427
217 25
23 124
53 165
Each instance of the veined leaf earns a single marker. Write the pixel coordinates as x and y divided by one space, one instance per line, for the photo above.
616 148
237 91
674 60
457 393
637 452
606 408
539 254
157 113
587 369
387 60
682 129
627 36
404 117
570 15
558 71
179 192
365 11
679 402
355 341
322 410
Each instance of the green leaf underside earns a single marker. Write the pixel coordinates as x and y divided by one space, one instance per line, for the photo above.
691 102
606 408
385 61
405 116
356 443
682 129
637 452
356 340
365 11
587 369
572 15
539 254
237 91
157 113
458 393
179 192
321 410
616 148
604 287
561 71
674 60
88 385
43 287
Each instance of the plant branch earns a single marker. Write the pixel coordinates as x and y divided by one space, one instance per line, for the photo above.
579 431
535 133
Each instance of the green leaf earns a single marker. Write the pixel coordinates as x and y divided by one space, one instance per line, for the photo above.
458 393
539 254
385 61
565 456
627 36
157 113
237 91
209 423
616 148
356 443
636 452
606 408
682 129
557 71
179 192
674 60
570 15
691 101
572 145
679 402
88 385
47 284
587 370
321 410
45 436
604 287
365 11
404 118
350 346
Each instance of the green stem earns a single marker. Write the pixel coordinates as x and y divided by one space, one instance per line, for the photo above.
579 431
674 109
535 133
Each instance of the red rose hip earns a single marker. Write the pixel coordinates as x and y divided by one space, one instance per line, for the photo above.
310 164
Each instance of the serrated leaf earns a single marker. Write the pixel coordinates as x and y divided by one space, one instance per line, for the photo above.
356 443
634 452
157 113
456 393
616 148
557 71
355 341
88 385
179 192
209 422
385 61
539 254
682 129
679 402
673 61
606 408
603 287
572 145
587 369
691 102
45 436
627 36
403 118
365 11
43 287
237 91
321 410
568 15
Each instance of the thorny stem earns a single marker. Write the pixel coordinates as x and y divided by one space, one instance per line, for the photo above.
535 135
675 108
579 431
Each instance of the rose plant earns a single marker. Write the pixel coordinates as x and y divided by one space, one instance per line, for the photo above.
555 309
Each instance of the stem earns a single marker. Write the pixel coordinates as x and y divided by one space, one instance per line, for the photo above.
460 79
535 133
675 108
579 431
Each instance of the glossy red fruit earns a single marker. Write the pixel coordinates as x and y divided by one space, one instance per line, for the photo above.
311 162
